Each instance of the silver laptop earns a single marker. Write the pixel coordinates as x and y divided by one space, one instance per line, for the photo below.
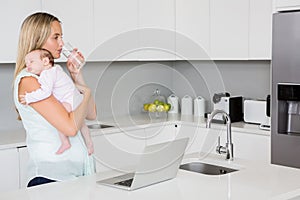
159 162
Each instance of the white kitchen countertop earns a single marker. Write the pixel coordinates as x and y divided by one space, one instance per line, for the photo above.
16 138
254 180
144 121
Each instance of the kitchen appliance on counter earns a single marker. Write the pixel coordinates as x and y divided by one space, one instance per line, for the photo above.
285 116
254 111
257 112
266 125
232 105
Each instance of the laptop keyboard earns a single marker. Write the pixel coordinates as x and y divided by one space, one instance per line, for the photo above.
126 183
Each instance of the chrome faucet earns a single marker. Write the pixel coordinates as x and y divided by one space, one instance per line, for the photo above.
228 149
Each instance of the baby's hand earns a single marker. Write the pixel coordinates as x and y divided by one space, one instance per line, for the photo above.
22 99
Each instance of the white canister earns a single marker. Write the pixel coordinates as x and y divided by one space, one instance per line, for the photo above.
173 100
199 106
187 105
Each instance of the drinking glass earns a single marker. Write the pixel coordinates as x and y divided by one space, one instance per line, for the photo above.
72 55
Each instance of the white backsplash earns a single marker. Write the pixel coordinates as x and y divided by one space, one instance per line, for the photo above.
130 83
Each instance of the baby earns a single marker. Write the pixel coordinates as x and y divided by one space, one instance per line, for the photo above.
54 81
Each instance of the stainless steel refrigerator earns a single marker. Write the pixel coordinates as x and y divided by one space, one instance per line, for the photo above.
285 97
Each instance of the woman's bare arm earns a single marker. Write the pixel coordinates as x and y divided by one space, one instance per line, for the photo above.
54 112
91 109
77 78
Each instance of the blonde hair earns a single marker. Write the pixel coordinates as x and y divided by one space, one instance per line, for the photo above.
34 33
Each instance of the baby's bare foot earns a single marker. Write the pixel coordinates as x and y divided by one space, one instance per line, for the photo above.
63 148
90 148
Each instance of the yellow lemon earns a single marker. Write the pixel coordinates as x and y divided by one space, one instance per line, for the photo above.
160 108
167 106
146 106
156 101
152 107
161 103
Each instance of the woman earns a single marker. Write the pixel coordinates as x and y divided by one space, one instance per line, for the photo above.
43 120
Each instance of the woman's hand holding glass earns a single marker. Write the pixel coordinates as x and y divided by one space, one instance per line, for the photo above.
75 58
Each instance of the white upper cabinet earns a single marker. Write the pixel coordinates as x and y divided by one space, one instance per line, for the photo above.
285 5
260 29
119 30
12 14
156 24
134 30
229 29
77 22
115 26
192 29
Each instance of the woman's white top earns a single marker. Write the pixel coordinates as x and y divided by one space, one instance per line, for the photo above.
42 141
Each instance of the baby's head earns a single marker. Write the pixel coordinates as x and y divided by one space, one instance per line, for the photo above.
38 60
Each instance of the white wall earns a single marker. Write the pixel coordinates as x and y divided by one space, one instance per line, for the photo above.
251 79
8 115
122 88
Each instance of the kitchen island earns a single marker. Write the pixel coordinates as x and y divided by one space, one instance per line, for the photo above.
131 134
253 180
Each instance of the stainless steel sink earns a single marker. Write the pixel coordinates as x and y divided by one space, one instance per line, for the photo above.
98 126
205 168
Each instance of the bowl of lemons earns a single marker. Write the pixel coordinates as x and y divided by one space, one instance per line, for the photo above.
157 108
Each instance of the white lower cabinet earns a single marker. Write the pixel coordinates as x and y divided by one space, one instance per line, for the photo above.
118 151
159 134
9 172
23 160
121 151
249 146
199 139
252 146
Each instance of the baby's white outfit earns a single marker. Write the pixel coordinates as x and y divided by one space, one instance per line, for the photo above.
56 81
